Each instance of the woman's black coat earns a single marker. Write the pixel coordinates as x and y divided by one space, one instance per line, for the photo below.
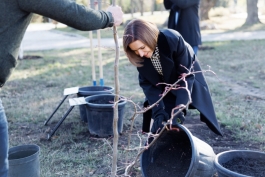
174 54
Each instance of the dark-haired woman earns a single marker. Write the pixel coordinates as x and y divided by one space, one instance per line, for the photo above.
162 56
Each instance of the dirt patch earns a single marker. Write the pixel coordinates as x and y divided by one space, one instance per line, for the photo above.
218 143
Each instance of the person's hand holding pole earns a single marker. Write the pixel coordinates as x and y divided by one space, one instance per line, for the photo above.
117 14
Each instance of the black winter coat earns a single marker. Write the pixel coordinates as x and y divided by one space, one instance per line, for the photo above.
188 22
174 52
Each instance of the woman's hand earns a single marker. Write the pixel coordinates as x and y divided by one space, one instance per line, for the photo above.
179 117
158 122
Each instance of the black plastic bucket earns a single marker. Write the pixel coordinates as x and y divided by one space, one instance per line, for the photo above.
24 161
178 154
88 91
100 114
241 160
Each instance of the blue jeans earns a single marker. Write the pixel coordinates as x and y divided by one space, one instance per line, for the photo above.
3 142
195 49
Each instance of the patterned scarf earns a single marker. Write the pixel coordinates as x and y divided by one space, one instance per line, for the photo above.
155 58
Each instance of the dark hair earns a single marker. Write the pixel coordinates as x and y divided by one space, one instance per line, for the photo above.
141 30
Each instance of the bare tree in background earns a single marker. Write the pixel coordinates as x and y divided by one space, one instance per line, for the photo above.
132 8
120 2
252 11
142 7
153 6
205 7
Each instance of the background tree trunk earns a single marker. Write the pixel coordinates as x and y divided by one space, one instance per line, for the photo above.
132 8
252 11
205 7
120 3
142 7
153 6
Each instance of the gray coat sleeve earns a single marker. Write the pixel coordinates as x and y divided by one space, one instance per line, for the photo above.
69 13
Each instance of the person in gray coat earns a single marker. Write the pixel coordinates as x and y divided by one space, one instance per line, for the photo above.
15 16
184 17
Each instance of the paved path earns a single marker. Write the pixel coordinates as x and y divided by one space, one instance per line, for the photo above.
234 36
42 37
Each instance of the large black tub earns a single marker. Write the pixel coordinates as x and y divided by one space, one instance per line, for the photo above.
178 154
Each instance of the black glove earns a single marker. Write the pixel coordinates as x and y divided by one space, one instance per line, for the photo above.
179 118
158 125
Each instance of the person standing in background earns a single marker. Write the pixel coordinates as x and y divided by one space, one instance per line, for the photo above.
184 17
15 16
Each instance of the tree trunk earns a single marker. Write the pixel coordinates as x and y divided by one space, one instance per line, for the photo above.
121 3
142 7
153 6
252 10
132 6
115 109
205 7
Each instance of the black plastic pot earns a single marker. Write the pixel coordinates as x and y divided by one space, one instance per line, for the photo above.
99 110
178 154
88 91
242 161
24 161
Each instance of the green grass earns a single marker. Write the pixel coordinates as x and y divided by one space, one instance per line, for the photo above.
237 88
244 58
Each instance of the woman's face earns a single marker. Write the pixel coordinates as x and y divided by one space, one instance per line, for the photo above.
141 49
